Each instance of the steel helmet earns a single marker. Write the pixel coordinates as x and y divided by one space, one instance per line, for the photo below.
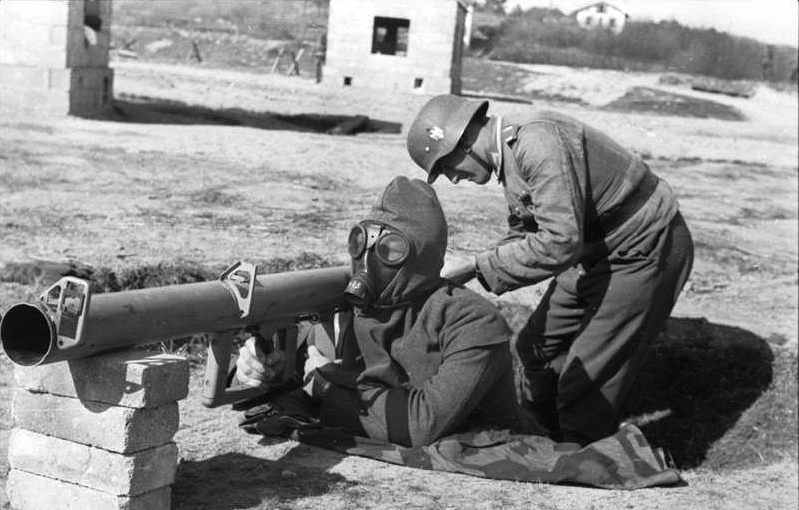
438 127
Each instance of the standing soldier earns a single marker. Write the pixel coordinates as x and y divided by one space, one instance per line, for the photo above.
587 212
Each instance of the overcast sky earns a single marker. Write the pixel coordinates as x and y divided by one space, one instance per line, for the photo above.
770 21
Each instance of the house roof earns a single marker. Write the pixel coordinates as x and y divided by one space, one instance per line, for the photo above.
597 4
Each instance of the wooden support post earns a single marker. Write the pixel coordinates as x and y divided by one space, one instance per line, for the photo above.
295 63
277 59
195 52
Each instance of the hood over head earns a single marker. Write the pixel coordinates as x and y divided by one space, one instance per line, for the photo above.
411 206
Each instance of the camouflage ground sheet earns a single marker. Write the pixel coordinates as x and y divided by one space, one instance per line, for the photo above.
624 460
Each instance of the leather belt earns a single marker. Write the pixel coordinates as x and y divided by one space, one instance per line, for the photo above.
617 215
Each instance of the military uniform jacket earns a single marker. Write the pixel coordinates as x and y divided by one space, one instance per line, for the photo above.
560 178
441 367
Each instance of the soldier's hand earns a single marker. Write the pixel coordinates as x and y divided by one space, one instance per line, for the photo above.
256 368
458 269
315 360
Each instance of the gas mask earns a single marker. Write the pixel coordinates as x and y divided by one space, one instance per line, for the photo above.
378 253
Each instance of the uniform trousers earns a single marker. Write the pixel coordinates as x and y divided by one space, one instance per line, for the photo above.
585 343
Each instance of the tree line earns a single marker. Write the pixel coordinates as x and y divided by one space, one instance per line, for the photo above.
547 36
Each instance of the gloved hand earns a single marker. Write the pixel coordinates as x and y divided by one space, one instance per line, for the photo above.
313 383
282 415
257 369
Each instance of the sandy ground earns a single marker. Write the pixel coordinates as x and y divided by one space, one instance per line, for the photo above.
118 194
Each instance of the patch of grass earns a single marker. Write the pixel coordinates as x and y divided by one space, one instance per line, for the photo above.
726 256
15 177
319 181
45 273
487 77
256 18
310 220
767 430
771 213
25 126
484 75
244 34
214 196
156 215
754 166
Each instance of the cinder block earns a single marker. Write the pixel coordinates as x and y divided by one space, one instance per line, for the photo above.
116 428
132 378
27 491
114 473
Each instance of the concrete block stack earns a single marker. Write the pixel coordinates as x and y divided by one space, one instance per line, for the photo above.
96 433
54 56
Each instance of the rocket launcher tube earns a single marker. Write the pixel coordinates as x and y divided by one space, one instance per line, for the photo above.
69 323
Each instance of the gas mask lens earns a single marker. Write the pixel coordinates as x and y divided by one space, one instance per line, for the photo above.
390 247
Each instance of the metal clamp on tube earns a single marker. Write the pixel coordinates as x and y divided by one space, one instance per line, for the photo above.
234 277
68 303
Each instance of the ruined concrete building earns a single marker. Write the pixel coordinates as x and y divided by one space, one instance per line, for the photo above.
397 45
54 56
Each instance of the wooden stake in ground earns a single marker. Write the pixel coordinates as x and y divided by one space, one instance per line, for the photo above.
295 63
277 60
195 52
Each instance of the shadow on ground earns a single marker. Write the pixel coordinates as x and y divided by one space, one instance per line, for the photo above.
145 110
710 395
237 480
694 391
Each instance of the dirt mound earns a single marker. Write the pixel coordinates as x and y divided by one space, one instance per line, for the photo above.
649 100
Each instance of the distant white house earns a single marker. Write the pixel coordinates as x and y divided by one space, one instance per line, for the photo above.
601 15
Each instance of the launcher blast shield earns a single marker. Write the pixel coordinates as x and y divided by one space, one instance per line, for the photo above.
69 322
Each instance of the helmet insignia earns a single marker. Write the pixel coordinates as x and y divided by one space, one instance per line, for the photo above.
435 133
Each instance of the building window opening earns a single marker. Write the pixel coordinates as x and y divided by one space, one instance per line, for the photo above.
348 81
91 15
390 36
417 83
